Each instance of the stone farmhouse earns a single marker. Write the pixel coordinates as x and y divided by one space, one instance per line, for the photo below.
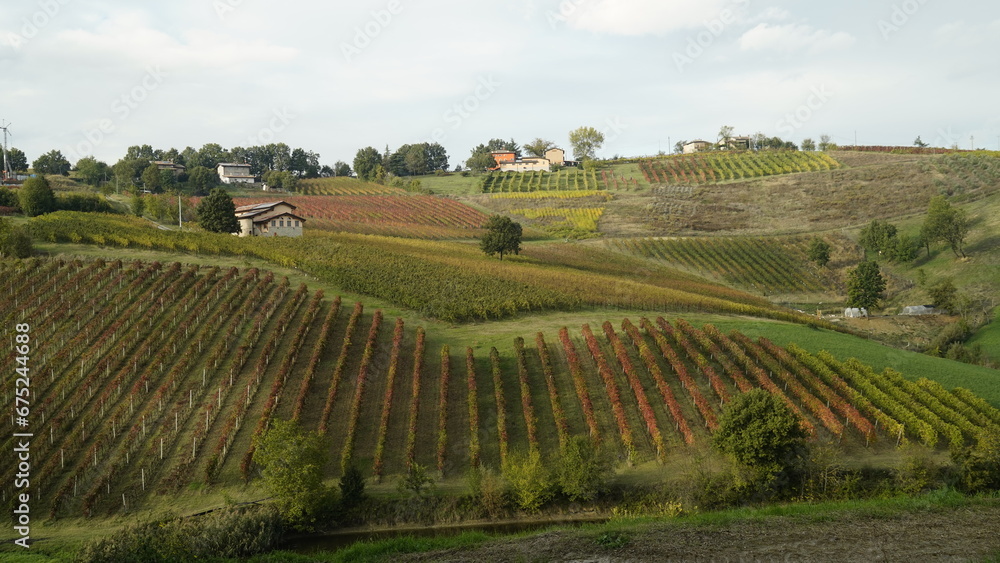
274 219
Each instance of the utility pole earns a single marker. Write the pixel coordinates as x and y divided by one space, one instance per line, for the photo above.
180 219
7 172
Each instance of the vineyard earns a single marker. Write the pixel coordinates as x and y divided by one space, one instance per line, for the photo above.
711 166
768 265
149 379
406 215
444 280
583 219
541 195
343 186
571 179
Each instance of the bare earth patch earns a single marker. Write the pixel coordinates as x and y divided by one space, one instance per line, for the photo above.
948 535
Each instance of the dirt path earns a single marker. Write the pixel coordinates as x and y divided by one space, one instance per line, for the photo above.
948 535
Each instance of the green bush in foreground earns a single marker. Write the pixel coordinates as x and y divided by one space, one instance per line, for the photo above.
236 533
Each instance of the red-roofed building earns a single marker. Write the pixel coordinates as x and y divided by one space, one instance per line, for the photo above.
273 219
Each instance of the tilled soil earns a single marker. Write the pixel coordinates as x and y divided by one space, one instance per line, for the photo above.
966 534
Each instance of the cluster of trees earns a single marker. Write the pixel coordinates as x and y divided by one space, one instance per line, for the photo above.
408 160
883 239
943 223
759 141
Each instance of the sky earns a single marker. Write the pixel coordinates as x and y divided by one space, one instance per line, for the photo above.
95 77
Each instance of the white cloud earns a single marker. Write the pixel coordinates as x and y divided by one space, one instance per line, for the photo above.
131 36
642 17
794 38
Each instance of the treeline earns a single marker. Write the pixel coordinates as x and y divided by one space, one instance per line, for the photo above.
408 160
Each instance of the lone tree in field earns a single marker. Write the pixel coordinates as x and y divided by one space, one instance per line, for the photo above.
945 223
36 197
819 251
292 462
502 235
865 285
585 142
217 213
761 433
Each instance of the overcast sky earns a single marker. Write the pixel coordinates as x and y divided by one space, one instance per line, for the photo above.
93 77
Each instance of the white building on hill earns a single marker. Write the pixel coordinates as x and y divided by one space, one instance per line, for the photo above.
231 173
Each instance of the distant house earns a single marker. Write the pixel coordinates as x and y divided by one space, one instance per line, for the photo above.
527 164
736 144
231 173
273 219
507 161
556 156
692 147
177 169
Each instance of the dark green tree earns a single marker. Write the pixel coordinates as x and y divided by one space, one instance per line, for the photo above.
437 157
92 171
945 223
202 179
808 145
210 155
17 160
502 235
138 205
760 432
878 237
282 180
217 213
366 162
865 286
416 159
52 162
291 462
352 487
36 197
341 168
944 295
919 142
152 180
819 251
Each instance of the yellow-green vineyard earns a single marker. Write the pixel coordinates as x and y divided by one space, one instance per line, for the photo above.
150 378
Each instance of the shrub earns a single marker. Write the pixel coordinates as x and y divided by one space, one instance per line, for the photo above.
528 479
235 533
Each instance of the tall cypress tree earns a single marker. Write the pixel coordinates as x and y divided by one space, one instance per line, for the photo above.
217 213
